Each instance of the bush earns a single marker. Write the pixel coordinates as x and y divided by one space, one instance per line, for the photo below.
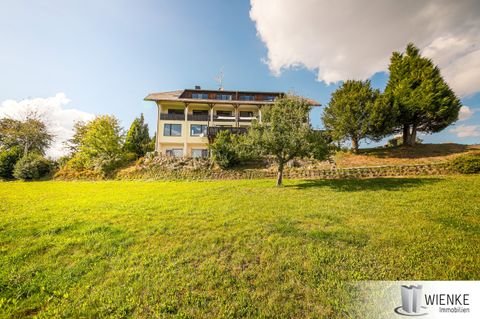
31 167
224 150
67 173
467 164
8 158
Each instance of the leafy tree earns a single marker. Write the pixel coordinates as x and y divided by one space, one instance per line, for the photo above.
30 135
8 158
285 133
138 140
73 144
101 145
32 166
356 111
424 100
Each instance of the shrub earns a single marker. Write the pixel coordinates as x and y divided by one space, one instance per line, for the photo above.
68 173
224 150
32 166
8 158
467 164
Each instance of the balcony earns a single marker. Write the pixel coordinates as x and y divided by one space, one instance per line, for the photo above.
198 117
172 117
247 118
224 118
214 130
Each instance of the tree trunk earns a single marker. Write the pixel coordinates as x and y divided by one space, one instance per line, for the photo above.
280 173
355 144
413 135
406 134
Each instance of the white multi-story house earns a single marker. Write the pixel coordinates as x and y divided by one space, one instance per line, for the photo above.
189 119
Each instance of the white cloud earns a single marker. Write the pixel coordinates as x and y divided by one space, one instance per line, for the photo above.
465 113
52 110
466 130
347 39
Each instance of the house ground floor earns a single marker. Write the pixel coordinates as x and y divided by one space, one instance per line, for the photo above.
195 150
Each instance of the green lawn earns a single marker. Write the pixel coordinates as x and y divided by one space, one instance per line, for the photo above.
227 248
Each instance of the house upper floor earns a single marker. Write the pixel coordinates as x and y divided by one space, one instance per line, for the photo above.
214 105
215 97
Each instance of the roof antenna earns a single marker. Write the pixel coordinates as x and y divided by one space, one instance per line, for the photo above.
219 80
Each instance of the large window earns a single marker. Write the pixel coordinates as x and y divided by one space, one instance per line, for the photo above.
198 130
200 112
269 98
224 113
247 98
246 114
202 96
224 97
196 153
175 152
172 130
176 111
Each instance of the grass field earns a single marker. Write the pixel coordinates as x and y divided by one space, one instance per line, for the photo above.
227 248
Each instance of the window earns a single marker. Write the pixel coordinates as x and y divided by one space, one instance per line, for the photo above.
224 113
176 111
247 98
172 130
196 153
269 98
246 114
198 130
200 112
224 97
202 96
175 152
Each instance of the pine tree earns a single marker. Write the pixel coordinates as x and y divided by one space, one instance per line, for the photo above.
138 140
424 100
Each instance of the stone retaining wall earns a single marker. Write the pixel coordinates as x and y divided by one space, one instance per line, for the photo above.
162 173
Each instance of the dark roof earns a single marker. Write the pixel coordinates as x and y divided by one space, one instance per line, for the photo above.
179 96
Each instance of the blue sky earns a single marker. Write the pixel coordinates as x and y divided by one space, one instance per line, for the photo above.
106 56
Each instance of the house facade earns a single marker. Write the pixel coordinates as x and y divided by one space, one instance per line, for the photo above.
188 120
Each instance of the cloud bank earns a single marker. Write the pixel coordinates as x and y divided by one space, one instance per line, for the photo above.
354 39
53 111
466 130
465 113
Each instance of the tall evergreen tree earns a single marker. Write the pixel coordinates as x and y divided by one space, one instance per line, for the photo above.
424 100
138 140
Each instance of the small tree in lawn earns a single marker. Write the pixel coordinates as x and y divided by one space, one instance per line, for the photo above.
356 111
424 100
138 140
285 133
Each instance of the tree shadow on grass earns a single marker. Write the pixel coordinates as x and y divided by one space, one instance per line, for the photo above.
371 184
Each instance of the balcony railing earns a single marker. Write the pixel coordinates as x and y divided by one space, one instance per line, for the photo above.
224 118
172 117
204 117
214 130
198 117
247 118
